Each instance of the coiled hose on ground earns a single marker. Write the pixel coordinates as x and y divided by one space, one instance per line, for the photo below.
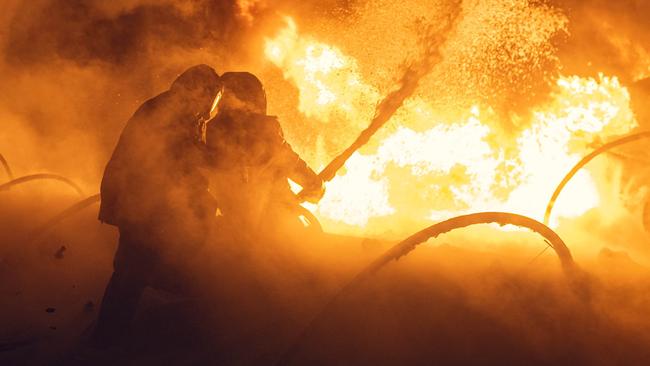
407 245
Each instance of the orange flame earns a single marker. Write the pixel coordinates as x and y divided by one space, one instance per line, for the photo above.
413 177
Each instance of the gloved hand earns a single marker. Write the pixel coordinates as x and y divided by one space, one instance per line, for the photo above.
312 194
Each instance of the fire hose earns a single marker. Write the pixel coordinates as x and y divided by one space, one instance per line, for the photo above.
96 198
394 100
311 219
5 165
44 176
606 147
404 247
77 207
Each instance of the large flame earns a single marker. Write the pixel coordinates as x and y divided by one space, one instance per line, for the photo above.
412 175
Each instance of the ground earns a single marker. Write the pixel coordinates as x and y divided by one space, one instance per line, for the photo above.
457 300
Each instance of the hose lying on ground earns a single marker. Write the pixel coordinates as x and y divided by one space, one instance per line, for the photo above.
406 246
4 163
79 206
38 233
28 178
584 161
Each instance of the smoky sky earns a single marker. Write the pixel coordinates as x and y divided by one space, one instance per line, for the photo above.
75 71
83 32
86 31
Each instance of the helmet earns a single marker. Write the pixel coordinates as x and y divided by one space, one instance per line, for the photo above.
243 91
196 78
200 85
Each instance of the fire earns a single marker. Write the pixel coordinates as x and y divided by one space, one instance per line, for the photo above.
329 81
409 176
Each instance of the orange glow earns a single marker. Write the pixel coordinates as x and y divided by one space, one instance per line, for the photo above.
413 176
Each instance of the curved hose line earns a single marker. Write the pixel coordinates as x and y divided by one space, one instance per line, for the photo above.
406 246
584 161
77 207
502 218
4 163
314 224
28 178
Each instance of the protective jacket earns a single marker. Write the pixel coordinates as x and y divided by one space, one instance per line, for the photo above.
253 161
153 171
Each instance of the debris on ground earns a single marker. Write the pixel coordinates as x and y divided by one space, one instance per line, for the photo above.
59 253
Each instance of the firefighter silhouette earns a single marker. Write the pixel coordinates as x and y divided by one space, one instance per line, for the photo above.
153 191
253 162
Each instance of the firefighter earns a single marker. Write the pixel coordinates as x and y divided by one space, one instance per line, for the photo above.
254 161
154 192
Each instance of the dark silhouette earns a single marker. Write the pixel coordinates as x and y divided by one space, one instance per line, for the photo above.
153 192
254 161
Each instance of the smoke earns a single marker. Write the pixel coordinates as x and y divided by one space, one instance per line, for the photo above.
607 36
115 33
74 72
442 307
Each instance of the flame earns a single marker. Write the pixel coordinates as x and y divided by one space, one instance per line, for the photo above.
329 81
410 176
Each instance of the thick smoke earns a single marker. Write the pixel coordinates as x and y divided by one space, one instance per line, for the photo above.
74 72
